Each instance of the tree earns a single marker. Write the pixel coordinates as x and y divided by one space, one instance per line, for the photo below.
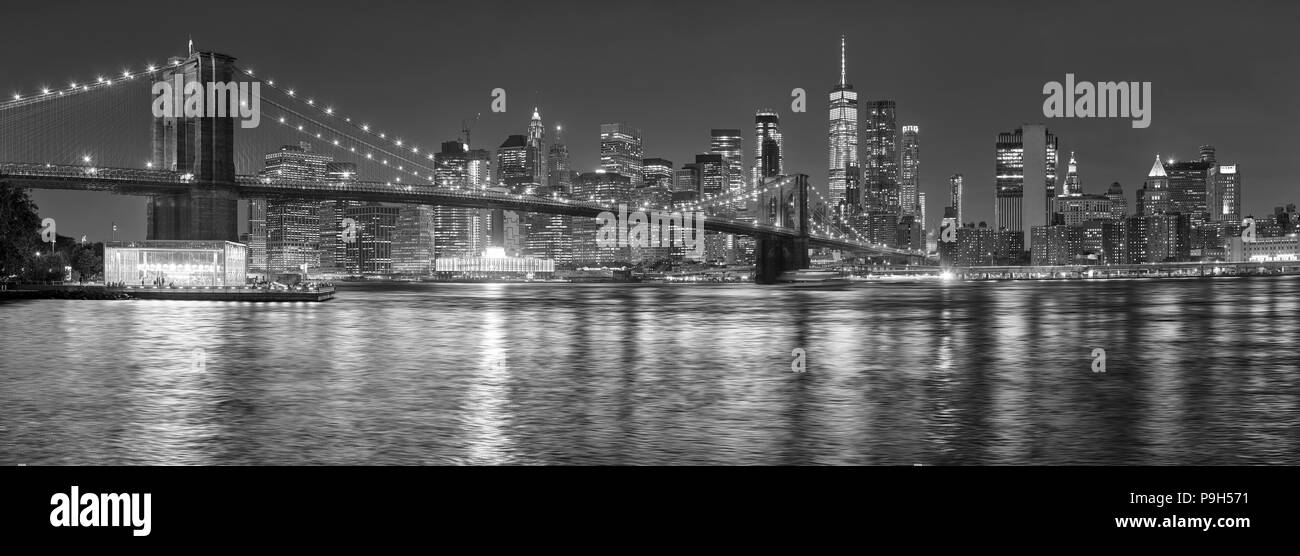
20 225
87 259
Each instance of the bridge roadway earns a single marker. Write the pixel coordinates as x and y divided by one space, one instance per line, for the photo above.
133 181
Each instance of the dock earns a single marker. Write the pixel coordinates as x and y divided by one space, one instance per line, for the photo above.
191 293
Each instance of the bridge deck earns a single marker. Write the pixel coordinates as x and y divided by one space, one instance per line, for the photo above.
132 181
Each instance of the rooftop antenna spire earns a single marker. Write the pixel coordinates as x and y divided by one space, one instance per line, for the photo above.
842 78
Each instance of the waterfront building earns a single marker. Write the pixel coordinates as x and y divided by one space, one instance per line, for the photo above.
180 263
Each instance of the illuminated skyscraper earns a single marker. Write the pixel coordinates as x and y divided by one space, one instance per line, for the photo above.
920 212
611 189
1153 198
621 151
880 159
909 172
333 253
1189 192
453 227
1073 187
372 252
293 225
537 144
257 235
767 127
1225 198
480 178
713 178
1118 204
1025 179
516 162
413 240
728 144
843 132
1188 189
559 175
656 190
956 184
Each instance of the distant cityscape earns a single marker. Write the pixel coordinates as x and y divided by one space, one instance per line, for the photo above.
1184 211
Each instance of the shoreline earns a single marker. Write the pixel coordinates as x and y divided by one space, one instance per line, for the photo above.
104 293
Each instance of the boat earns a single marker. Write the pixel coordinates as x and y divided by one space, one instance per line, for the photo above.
812 279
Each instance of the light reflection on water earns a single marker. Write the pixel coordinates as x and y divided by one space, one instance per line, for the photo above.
1198 372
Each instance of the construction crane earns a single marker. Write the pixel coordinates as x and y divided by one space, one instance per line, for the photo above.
465 128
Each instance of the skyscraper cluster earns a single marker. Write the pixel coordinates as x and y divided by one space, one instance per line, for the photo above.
875 190
289 235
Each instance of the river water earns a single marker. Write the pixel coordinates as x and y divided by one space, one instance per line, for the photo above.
1200 371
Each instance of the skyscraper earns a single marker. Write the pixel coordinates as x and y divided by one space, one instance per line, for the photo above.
621 151
909 172
1153 198
1226 196
920 212
333 252
843 132
767 127
656 190
516 164
1188 188
293 225
610 188
559 175
1073 187
955 185
413 240
537 144
1118 204
1189 196
256 235
1026 178
880 172
453 227
711 175
727 143
479 178
371 254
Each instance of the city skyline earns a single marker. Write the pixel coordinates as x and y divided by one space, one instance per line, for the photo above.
957 138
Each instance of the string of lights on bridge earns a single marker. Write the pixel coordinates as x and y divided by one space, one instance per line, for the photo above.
77 87
328 112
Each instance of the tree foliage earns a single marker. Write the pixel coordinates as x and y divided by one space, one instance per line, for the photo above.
20 227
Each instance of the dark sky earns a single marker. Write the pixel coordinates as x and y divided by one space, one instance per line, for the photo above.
1222 73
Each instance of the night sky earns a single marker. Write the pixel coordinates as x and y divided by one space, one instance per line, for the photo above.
1222 73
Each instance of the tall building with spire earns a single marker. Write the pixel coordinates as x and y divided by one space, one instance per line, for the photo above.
843 133
767 127
909 169
1073 187
537 142
1153 198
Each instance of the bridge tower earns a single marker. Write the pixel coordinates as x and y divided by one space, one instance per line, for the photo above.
203 147
784 204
